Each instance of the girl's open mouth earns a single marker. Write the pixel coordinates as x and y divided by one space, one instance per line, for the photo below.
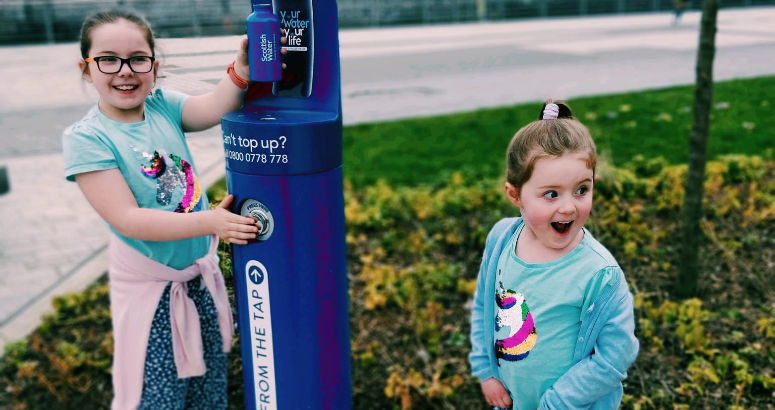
562 227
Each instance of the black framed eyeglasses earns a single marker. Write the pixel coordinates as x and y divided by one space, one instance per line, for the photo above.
113 64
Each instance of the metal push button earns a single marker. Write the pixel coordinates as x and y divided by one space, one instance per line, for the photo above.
261 212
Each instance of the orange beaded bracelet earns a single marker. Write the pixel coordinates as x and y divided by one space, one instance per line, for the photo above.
236 79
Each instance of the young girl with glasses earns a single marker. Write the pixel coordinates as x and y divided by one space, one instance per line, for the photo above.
172 322
552 324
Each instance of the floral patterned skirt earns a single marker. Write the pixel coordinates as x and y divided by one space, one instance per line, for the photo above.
162 390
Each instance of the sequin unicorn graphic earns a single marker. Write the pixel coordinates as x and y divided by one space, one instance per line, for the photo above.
514 313
169 177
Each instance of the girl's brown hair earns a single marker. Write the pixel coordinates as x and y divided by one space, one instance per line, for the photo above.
547 138
111 16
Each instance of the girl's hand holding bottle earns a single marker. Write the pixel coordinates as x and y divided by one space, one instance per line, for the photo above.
241 65
241 62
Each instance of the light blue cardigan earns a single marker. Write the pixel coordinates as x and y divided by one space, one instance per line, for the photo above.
608 327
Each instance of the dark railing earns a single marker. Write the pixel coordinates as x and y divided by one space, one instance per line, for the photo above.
51 21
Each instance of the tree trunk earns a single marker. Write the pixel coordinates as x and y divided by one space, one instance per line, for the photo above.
691 233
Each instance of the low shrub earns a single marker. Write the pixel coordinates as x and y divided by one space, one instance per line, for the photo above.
413 256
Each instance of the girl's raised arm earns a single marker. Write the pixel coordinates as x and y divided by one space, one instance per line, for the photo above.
109 194
204 111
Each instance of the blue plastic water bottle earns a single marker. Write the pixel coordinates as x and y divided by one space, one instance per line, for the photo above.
264 44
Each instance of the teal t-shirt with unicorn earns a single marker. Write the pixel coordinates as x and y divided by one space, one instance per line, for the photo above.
539 307
155 161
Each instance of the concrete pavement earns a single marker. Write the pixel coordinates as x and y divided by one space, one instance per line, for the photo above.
52 242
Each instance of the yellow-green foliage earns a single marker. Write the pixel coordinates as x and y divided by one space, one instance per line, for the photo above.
418 251
66 362
413 256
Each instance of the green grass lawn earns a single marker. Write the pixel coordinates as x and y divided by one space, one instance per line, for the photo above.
651 123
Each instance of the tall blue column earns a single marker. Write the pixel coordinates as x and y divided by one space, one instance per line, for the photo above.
284 167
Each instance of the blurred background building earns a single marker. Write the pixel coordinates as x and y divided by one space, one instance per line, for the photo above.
51 21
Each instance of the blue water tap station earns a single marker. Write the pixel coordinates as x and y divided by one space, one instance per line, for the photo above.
284 167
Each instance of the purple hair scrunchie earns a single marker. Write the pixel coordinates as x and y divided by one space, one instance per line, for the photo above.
551 111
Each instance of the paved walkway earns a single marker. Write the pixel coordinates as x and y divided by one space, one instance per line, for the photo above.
52 242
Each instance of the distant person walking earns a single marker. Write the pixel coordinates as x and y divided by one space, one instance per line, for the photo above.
172 322
5 186
679 6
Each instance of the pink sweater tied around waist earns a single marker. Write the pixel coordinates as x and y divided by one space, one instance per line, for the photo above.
136 285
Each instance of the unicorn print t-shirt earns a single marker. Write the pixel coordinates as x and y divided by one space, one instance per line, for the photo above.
155 161
538 309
